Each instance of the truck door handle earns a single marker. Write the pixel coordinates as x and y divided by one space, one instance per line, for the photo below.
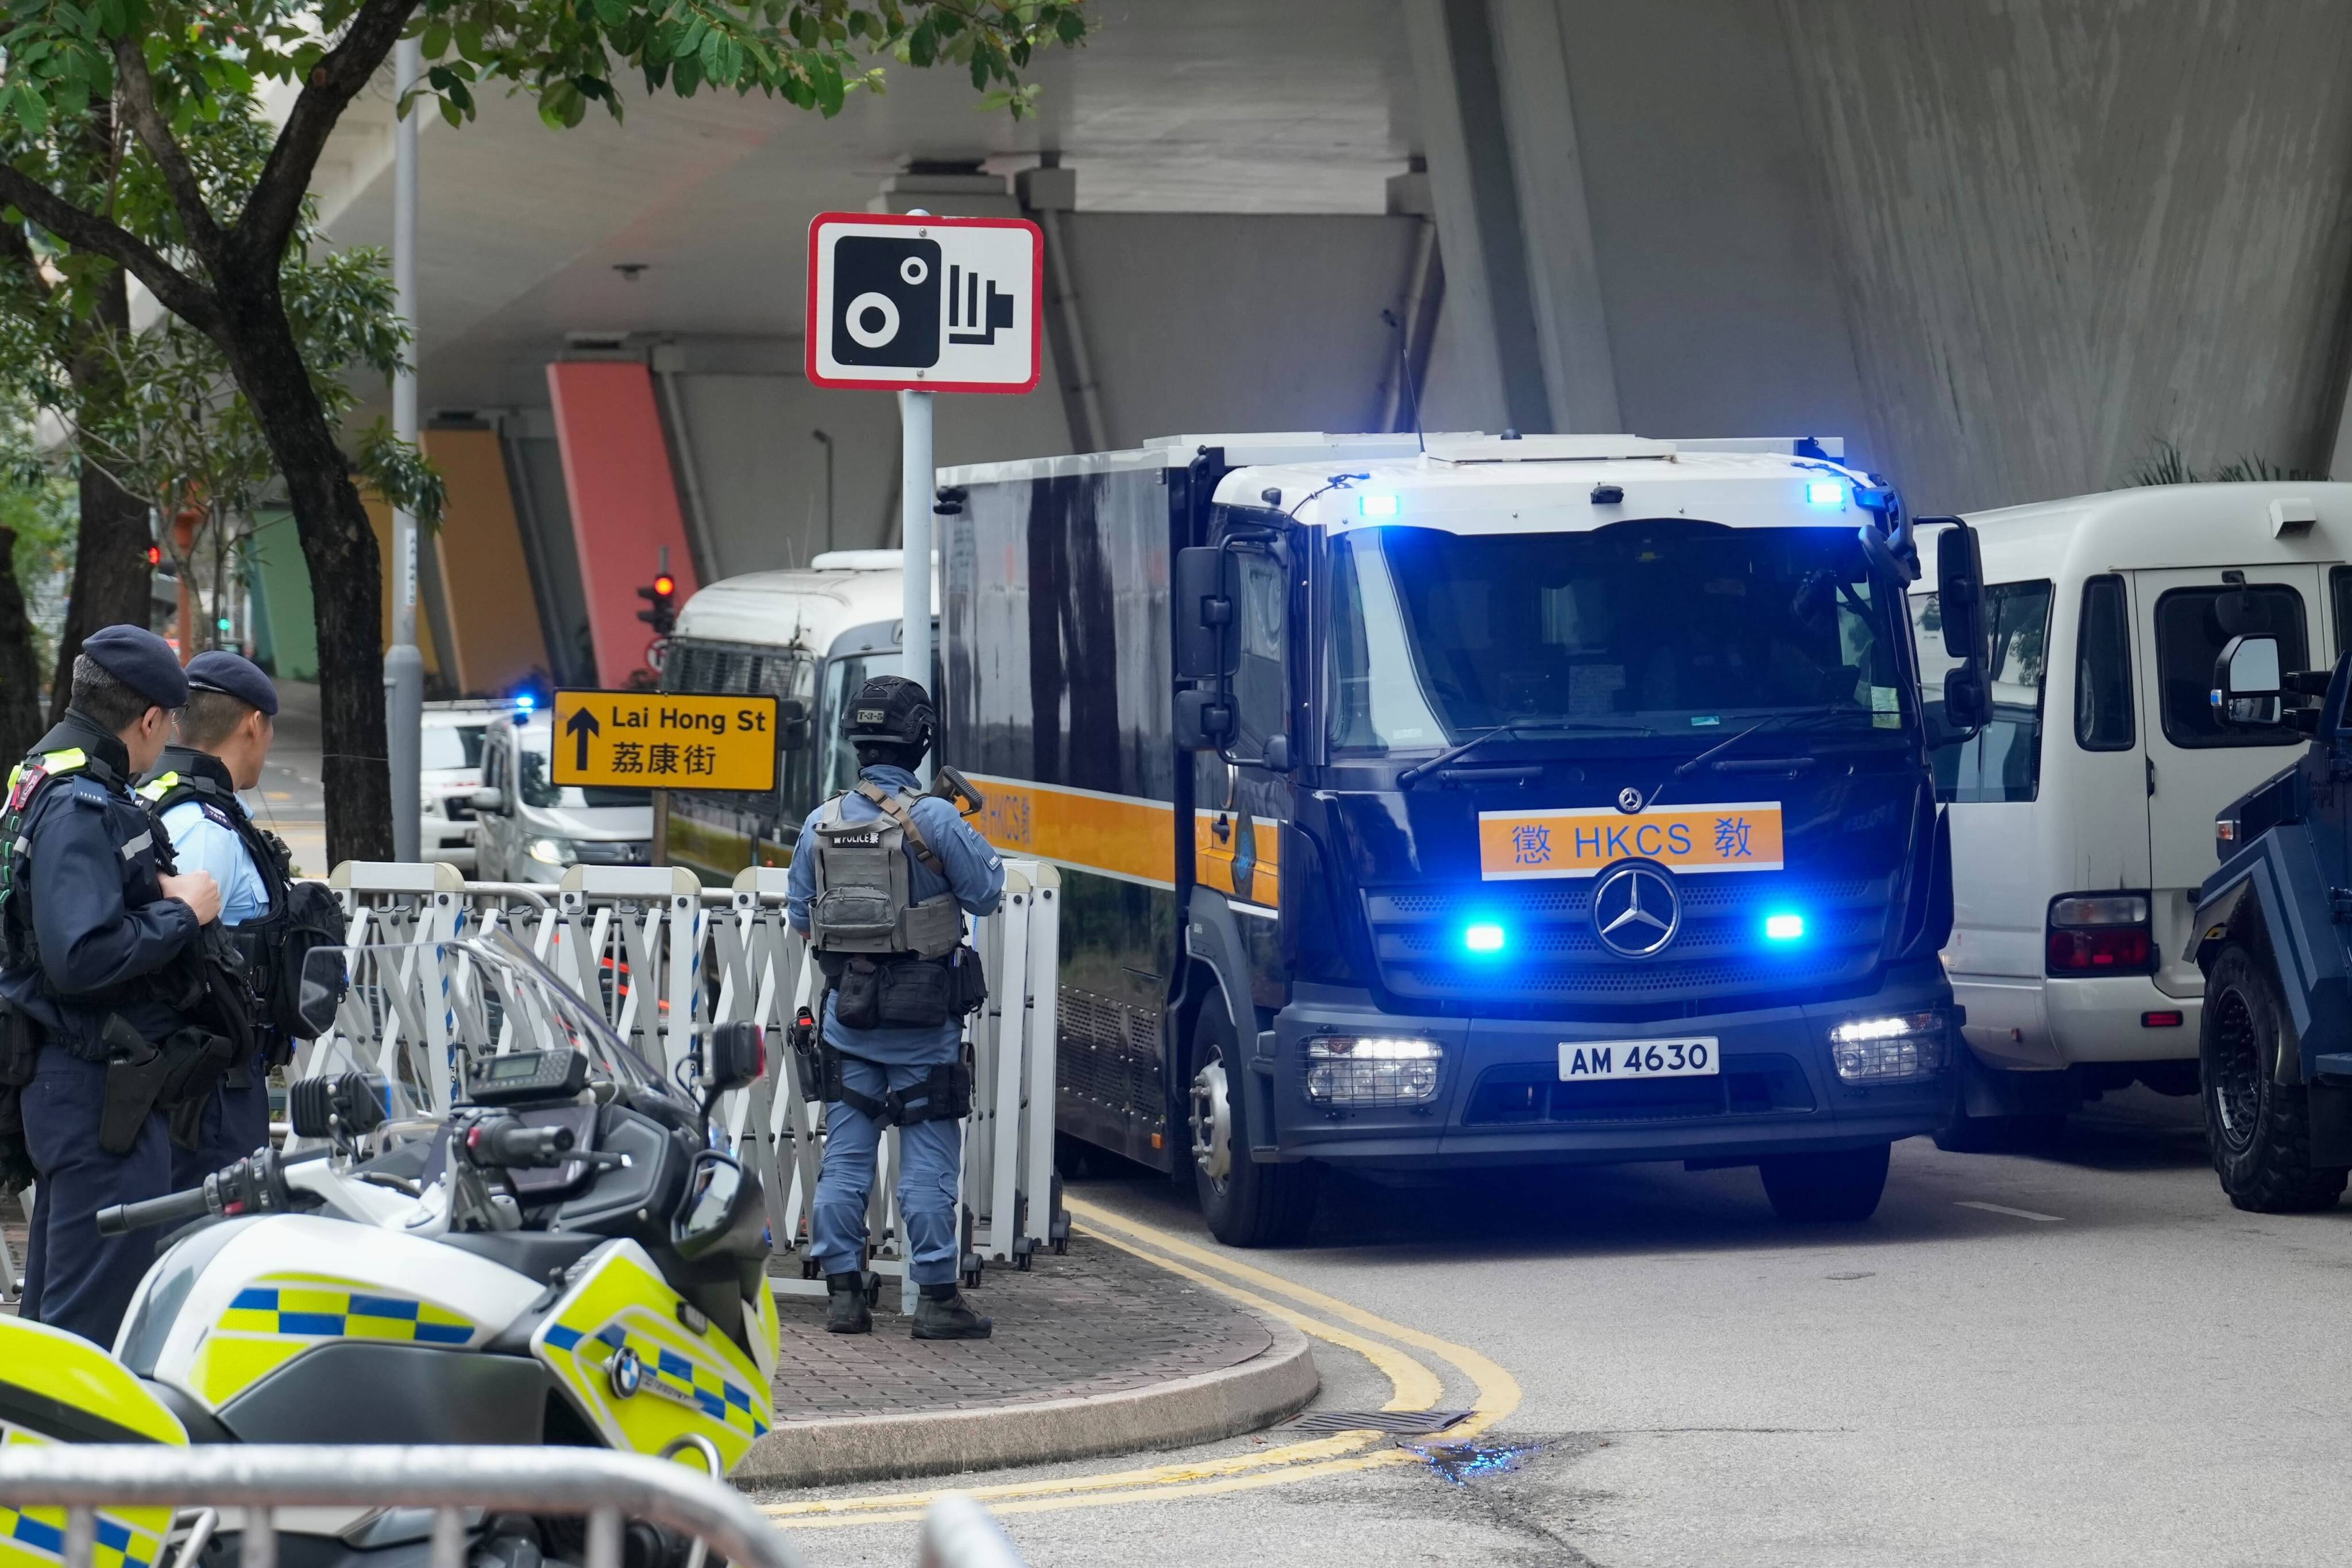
1222 828
2151 778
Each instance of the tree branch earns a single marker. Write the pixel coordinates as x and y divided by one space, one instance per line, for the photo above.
136 90
268 221
178 293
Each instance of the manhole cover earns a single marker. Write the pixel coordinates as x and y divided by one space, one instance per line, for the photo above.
1402 1423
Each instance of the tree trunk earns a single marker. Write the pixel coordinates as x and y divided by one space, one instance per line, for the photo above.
20 675
110 575
339 547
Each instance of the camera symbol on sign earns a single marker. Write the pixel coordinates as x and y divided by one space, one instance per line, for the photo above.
887 294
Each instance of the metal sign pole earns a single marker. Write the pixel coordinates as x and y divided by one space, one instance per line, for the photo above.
404 665
915 473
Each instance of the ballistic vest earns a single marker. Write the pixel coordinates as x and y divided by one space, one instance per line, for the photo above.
863 903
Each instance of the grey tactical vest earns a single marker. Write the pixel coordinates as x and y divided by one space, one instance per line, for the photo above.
863 903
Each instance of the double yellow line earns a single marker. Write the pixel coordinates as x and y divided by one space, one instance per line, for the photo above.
1414 1384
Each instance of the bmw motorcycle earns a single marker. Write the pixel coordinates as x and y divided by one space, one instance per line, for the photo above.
563 1255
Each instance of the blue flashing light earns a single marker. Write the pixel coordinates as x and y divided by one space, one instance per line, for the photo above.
1824 492
1484 937
525 701
1784 927
1374 504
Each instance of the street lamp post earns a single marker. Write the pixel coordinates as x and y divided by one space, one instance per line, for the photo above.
826 441
404 665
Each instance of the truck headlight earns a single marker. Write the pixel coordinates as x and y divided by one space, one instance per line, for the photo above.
549 851
1892 1045
1371 1069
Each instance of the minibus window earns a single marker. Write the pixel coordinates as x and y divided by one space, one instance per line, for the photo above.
2103 678
2002 761
2191 627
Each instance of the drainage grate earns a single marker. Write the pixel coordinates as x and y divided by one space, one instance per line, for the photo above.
1402 1423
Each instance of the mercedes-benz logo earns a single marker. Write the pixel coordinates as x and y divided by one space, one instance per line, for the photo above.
1635 911
1629 800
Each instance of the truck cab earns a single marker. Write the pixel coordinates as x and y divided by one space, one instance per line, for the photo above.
1545 801
809 636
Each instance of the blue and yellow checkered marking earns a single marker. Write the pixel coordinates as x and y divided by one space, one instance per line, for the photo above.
318 1312
40 1533
718 1396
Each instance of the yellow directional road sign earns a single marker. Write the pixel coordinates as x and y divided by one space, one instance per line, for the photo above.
661 740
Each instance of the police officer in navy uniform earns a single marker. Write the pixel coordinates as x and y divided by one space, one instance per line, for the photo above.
91 919
225 736
882 1073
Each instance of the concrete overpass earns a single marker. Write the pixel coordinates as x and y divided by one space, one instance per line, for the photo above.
2004 248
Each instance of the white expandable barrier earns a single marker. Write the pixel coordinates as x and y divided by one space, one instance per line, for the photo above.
662 959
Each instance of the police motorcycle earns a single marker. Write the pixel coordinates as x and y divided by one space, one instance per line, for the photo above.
563 1255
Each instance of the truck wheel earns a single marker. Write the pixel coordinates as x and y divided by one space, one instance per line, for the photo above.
1809 1188
2260 1129
1246 1204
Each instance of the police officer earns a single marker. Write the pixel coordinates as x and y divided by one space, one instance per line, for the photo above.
881 879
224 735
90 917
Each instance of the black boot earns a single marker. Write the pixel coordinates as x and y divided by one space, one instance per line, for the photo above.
944 1314
845 1305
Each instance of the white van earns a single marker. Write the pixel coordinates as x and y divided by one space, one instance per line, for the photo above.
529 829
811 635
2082 816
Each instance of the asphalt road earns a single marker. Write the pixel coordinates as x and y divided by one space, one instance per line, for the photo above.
2083 1357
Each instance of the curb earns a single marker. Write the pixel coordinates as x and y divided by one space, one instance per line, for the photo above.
1199 1409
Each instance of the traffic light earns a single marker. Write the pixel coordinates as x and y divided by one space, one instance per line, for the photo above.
155 556
661 604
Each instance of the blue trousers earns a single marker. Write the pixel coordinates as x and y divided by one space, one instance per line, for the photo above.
929 1154
75 1279
235 1123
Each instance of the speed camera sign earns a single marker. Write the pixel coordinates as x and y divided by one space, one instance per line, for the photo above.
924 304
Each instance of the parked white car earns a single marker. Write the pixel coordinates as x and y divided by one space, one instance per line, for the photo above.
2082 816
450 771
531 828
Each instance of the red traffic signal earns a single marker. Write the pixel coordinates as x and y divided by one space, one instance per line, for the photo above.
155 556
661 606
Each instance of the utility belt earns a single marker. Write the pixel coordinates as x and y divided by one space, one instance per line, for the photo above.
943 1095
901 991
175 1076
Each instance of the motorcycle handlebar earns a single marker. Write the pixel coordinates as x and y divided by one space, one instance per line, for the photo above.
119 1219
511 1143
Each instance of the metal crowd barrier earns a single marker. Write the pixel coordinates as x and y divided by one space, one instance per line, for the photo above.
719 956
206 1483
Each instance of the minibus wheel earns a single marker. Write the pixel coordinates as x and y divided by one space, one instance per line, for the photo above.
1246 1204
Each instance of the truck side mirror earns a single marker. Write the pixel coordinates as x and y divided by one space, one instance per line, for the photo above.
791 725
2247 682
1959 598
487 798
1203 596
1204 720
1275 757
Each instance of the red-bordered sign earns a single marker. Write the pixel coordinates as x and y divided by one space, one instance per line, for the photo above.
925 304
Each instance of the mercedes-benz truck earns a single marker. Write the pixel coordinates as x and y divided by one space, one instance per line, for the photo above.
1506 803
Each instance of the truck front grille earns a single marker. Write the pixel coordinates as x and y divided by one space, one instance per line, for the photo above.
1553 961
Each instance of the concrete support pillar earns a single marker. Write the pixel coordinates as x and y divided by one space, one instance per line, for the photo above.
1521 286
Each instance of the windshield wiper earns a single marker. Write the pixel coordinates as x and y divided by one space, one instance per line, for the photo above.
1419 771
1778 722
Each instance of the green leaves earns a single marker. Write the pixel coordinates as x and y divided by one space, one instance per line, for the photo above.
811 53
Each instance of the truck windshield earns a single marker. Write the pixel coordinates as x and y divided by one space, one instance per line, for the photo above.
1673 627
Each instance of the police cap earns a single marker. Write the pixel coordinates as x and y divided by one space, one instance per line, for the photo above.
891 708
221 670
141 661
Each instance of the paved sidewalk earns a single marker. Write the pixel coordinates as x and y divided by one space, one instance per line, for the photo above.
1094 1352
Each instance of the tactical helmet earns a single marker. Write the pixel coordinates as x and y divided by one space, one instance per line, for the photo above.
892 710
